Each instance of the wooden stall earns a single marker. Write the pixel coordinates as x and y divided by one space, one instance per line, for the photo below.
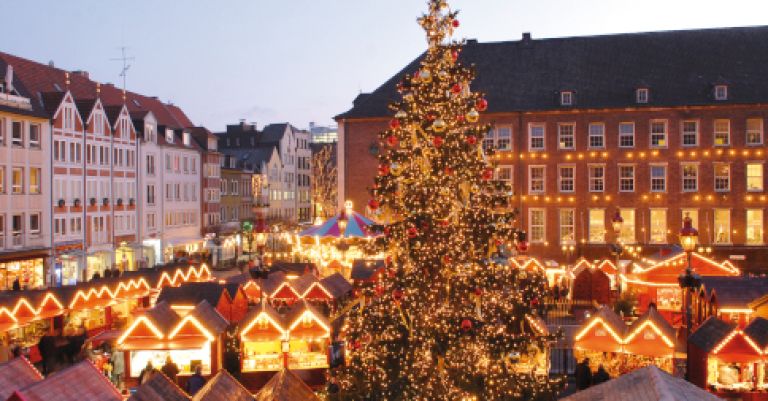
186 296
263 342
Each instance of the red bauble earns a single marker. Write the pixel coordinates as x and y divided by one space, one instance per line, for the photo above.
445 223
386 231
392 141
522 246
373 204
394 123
437 141
535 302
356 345
481 104
391 273
460 118
388 259
471 139
383 169
398 295
447 260
456 88
478 291
431 116
413 232
448 171
379 291
487 174
455 55
455 23
466 325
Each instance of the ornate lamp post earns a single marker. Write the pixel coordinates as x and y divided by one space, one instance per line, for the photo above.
261 272
617 222
690 281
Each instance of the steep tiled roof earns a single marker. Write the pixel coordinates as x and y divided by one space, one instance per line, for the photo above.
364 269
735 292
272 133
92 385
679 68
658 320
210 318
757 330
15 374
192 293
286 386
710 333
22 91
223 387
646 384
255 156
337 285
159 388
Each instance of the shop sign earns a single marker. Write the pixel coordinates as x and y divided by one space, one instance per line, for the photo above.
600 333
737 257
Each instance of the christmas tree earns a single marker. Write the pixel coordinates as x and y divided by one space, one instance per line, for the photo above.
451 320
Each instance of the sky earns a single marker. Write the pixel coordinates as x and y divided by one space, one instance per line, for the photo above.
271 61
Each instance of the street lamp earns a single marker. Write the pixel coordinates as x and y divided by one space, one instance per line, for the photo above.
617 222
690 281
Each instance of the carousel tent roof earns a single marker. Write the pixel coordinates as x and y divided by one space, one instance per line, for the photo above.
162 316
658 320
92 385
223 387
646 384
337 285
192 293
710 333
757 330
735 292
209 317
159 388
15 374
286 386
357 227
364 269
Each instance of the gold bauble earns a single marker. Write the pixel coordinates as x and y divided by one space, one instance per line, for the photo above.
473 116
425 76
401 114
439 125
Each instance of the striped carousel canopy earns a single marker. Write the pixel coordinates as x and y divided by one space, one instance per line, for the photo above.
358 226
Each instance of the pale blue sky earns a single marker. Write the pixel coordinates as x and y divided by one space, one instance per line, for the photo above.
302 60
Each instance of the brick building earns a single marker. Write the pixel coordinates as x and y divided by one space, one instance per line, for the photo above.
653 125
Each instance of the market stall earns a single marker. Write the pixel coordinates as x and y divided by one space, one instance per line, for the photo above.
650 341
309 334
600 338
263 344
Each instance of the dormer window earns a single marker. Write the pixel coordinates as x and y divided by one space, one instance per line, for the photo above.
641 95
212 144
566 98
150 133
185 138
169 135
232 163
721 92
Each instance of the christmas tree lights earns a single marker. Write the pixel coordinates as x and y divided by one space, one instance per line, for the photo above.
451 319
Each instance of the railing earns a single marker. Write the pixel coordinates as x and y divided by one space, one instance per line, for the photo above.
17 240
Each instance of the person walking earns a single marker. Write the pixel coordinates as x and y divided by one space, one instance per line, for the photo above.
170 369
601 376
583 375
118 368
196 381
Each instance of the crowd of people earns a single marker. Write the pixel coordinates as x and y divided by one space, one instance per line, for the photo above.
585 378
194 382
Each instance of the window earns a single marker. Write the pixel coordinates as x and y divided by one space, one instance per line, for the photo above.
504 173
627 135
193 165
17 180
34 135
567 226
2 179
34 180
627 235
566 98
596 226
565 135
566 178
186 139
2 133
17 133
754 131
722 226
754 226
690 177
504 138
536 225
167 162
658 178
658 134
596 135
693 214
34 223
754 177
488 142
150 194
536 136
536 179
150 164
690 135
658 226
169 135
151 221
2 227
17 225
721 92
722 177
722 132
626 178
641 95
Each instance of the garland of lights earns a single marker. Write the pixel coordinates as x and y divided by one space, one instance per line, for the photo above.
447 322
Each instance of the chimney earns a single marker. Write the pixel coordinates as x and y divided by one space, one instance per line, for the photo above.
82 73
253 125
242 122
50 63
526 36
9 79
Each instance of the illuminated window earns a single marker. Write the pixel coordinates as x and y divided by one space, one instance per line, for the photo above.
34 180
659 133
626 178
536 225
721 92
536 133
17 180
722 132
690 177
536 179
754 131
627 235
658 178
503 138
722 177
488 143
596 177
567 226
659 226
641 95
596 135
754 177
566 98
693 214
596 226
627 135
34 223
565 135
690 133
566 178
722 226
754 227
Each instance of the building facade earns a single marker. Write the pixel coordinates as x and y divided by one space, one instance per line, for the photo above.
580 144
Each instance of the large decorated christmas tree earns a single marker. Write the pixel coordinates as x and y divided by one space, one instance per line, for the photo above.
451 319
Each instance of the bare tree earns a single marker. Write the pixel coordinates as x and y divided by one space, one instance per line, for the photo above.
325 181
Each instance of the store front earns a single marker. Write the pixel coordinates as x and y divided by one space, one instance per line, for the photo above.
152 252
126 256
97 262
262 341
182 248
27 268
67 270
309 336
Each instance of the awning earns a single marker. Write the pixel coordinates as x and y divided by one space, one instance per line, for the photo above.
24 255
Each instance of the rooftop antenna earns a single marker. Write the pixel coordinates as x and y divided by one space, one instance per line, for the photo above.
125 59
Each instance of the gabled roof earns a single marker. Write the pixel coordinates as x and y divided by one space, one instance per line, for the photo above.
298 268
159 388
273 281
232 289
337 285
273 133
113 113
272 316
757 330
609 316
209 317
365 269
92 385
201 135
255 156
15 374
300 308
735 292
653 316
646 384
710 333
223 387
162 316
192 293
302 284
85 107
286 386
679 68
